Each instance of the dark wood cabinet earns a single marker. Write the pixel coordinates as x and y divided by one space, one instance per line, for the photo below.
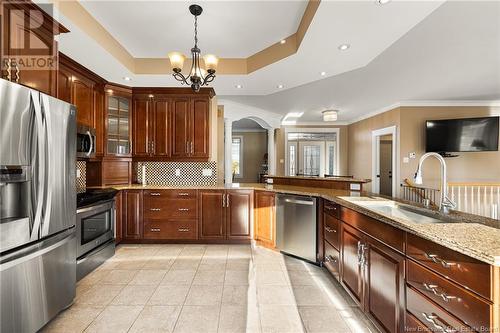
132 224
180 127
118 121
265 218
239 209
28 41
225 214
212 214
352 270
151 126
118 217
82 96
384 285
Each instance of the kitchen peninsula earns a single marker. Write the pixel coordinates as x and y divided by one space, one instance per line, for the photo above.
334 182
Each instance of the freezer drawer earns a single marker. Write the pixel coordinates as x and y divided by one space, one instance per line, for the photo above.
38 283
296 226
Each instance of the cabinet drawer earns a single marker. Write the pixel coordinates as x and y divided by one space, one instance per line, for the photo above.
331 208
412 324
332 230
166 208
173 194
432 316
452 298
170 229
381 231
466 271
332 258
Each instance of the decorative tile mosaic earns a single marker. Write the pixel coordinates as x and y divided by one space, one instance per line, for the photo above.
81 182
178 173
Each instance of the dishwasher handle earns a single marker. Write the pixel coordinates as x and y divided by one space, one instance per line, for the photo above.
300 202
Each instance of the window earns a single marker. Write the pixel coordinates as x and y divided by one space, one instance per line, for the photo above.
292 159
237 156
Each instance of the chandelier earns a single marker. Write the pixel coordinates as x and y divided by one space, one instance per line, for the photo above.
197 76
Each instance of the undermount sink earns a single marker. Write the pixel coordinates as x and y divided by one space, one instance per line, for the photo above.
394 209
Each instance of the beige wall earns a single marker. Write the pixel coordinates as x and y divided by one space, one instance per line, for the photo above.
360 142
410 121
220 144
254 148
467 167
280 148
213 129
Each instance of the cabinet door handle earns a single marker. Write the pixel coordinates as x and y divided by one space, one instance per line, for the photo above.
187 147
9 69
329 258
330 229
183 194
227 200
331 207
192 147
155 194
359 252
16 77
152 147
183 209
155 209
437 260
434 320
223 200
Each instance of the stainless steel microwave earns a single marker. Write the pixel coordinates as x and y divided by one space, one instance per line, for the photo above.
85 142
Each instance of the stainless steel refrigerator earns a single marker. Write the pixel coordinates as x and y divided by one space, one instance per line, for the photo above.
37 207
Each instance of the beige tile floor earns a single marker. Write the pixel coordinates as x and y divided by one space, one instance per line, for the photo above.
209 288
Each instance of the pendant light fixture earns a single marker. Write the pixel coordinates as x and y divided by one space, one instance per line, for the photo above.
330 115
197 76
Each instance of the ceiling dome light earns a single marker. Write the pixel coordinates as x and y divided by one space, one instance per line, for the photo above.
344 47
322 73
238 86
126 78
383 2
283 41
280 86
197 76
330 115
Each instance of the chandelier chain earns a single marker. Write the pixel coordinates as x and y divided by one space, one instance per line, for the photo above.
196 31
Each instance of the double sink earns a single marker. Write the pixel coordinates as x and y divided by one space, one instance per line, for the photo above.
397 210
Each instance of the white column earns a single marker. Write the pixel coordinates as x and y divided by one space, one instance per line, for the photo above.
271 156
228 140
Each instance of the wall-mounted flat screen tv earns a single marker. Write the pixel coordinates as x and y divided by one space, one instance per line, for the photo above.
462 135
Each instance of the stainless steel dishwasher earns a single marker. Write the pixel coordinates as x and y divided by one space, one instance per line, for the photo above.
296 226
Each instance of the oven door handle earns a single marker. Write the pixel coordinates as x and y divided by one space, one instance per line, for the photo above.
106 205
91 143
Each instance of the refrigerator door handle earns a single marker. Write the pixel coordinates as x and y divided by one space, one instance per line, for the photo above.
91 144
35 98
47 202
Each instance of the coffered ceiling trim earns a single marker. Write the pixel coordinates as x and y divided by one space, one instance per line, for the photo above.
74 11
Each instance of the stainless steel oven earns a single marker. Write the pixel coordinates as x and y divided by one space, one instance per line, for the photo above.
95 228
85 142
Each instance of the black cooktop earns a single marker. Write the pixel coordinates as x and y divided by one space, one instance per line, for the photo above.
92 196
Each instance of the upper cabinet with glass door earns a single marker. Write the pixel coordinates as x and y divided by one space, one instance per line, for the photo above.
118 129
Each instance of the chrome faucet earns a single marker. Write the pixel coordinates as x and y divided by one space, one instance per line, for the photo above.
445 203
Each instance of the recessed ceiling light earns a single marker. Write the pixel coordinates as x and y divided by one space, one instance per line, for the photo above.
382 2
280 86
343 47
322 73
238 86
283 41
126 78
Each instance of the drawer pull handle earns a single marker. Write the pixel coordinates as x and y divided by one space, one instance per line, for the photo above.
329 258
435 290
183 229
183 209
155 229
331 207
183 194
433 319
155 209
438 260
155 194
330 229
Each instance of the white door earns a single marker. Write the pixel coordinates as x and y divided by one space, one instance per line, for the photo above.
311 158
331 158
292 163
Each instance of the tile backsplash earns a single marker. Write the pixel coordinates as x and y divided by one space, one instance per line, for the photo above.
178 173
81 176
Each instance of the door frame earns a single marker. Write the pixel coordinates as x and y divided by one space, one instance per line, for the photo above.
376 134
335 130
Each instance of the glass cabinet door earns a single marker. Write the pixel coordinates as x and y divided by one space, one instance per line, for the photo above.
118 141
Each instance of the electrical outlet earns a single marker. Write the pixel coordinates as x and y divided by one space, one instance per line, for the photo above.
206 172
177 172
413 155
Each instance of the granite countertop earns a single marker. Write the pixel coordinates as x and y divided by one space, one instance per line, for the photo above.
472 235
328 179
